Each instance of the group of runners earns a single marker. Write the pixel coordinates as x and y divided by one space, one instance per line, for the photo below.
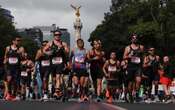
61 73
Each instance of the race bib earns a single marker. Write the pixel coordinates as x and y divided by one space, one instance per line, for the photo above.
80 59
57 60
172 89
160 87
13 60
45 63
112 69
136 60
24 73
79 66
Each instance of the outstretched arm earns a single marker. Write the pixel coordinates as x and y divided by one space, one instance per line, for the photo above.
73 6
79 7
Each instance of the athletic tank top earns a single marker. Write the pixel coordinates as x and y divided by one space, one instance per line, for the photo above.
153 61
97 62
13 57
23 68
45 60
113 69
136 56
58 56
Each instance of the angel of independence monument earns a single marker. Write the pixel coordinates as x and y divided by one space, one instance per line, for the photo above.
77 24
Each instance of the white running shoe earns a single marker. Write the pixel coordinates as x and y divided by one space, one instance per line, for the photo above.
45 97
156 99
17 98
148 101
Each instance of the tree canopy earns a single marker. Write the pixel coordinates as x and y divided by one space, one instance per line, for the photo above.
8 31
152 21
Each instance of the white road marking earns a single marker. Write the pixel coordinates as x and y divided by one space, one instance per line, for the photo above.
114 106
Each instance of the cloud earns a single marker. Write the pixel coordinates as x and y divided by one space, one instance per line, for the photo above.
29 13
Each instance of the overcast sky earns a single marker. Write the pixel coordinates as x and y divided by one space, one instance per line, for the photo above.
29 13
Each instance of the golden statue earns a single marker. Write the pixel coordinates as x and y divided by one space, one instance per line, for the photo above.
77 9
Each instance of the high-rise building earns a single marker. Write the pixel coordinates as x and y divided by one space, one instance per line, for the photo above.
46 30
40 33
48 33
34 33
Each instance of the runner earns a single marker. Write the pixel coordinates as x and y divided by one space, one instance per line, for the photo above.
13 55
60 51
78 62
112 72
125 81
133 53
150 75
44 57
166 77
96 59
26 68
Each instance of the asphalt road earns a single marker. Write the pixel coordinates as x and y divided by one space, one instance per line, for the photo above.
55 105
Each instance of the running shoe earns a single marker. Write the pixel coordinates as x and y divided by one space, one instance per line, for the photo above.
85 98
98 99
45 97
148 101
19 98
81 99
109 100
156 99
168 101
107 94
9 97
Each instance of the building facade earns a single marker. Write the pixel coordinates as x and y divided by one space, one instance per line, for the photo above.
48 33
34 33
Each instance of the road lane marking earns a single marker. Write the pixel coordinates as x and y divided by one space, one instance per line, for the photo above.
94 106
114 106
76 106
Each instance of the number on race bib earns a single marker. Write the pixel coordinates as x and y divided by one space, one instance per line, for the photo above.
160 87
172 89
57 60
24 73
112 69
136 60
45 63
80 59
13 60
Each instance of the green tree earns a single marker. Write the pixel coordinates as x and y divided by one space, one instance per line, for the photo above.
153 23
7 30
30 46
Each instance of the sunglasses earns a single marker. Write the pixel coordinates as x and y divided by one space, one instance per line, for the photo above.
57 34
44 44
97 44
18 40
134 38
150 50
